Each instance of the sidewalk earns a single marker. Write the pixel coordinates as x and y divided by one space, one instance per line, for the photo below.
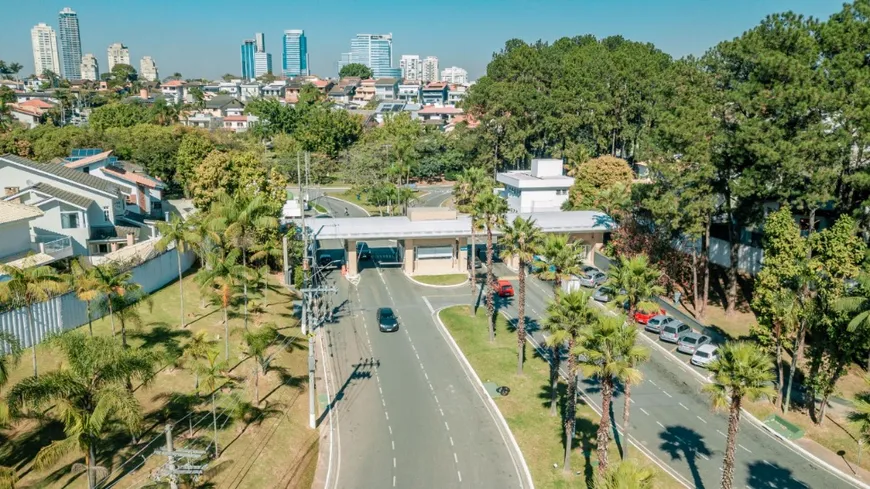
833 459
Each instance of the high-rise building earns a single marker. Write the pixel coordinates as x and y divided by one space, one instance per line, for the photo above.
454 75
44 49
430 69
148 69
294 62
376 52
412 68
262 64
90 68
118 54
248 49
70 44
260 41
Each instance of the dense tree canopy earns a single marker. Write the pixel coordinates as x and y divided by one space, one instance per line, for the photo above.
355 69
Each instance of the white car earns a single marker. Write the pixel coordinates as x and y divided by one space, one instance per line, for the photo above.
704 355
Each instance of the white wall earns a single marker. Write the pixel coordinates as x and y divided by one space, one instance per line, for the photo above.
538 200
748 259
15 237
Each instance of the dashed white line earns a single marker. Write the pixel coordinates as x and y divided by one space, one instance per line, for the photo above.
447 426
393 442
660 424
394 462
723 434
394 481
442 411
455 458
653 383
426 375
458 474
384 402
451 441
702 419
747 450
666 393
644 411
387 415
380 390
436 398
703 456
390 428
684 406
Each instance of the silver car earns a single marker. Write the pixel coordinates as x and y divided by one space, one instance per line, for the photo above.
587 269
592 280
603 294
673 333
656 323
691 342
705 354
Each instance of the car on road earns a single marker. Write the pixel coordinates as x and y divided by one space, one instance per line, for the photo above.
504 288
603 294
363 252
674 333
705 354
656 323
691 342
593 279
643 317
387 321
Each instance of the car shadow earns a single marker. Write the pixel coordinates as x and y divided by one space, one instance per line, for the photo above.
683 443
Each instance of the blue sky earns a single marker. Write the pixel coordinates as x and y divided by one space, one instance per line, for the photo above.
202 38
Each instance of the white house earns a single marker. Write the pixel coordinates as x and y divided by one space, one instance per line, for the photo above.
17 248
543 188
173 91
85 208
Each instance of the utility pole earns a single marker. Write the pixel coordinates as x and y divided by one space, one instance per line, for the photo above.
312 410
286 261
170 469
305 264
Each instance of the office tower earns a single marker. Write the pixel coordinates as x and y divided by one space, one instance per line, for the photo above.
148 69
412 68
248 49
118 54
90 69
262 64
294 62
455 75
44 49
430 69
70 44
376 52
260 41
344 60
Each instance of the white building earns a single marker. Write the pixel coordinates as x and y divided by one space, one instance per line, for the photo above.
430 69
543 188
118 54
148 69
262 64
90 68
454 75
45 56
412 67
173 91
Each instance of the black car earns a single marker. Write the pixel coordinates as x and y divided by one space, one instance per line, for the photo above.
387 321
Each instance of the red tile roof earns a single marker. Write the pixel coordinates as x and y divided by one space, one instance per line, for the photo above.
131 177
88 160
36 103
173 83
236 118
436 86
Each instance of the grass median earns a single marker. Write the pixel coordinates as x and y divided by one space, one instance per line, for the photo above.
526 408
448 279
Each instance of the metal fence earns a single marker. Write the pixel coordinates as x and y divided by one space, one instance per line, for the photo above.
66 312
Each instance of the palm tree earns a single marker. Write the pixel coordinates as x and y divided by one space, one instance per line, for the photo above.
636 281
256 344
857 305
562 260
212 375
196 349
178 232
602 355
8 341
125 308
15 68
522 239
26 287
627 475
263 252
220 279
85 285
566 320
8 478
472 182
239 219
632 354
88 394
492 210
113 283
742 370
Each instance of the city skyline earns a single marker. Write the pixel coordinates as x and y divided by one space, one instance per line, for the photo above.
677 27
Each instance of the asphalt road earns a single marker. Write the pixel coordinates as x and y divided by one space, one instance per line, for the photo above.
672 421
434 196
408 416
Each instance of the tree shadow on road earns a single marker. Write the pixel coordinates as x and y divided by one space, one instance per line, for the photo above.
764 475
682 443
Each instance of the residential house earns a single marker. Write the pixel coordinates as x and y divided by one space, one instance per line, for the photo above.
364 93
409 91
386 88
233 88
202 120
17 247
31 113
323 86
341 94
49 97
14 85
456 94
388 109
250 91
291 92
435 93
543 188
223 105
85 208
276 89
433 114
240 123
173 91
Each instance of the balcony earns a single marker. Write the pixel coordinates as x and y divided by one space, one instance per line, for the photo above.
44 251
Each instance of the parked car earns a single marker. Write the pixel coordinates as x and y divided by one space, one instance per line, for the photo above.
674 333
387 321
593 279
504 288
691 342
587 269
656 323
603 294
644 317
705 354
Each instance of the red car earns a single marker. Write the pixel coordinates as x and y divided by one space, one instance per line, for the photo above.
643 317
504 288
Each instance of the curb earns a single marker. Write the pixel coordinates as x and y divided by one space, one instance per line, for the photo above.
328 432
436 286
514 448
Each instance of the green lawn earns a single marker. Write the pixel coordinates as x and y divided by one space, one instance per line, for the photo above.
319 208
276 449
526 408
448 279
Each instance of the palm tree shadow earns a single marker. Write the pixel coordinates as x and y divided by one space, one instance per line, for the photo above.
683 443
203 316
163 335
765 475
20 450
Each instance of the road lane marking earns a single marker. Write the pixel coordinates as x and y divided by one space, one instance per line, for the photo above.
723 434
703 456
666 393
442 411
644 411
436 398
702 419
429 305
394 481
393 442
660 424
426 375
387 415
684 406
394 462
653 382
390 428
458 474
451 441
455 458
447 426
747 450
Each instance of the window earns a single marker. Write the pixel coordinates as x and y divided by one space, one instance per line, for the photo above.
119 205
86 169
10 191
434 252
103 248
69 220
563 191
106 213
